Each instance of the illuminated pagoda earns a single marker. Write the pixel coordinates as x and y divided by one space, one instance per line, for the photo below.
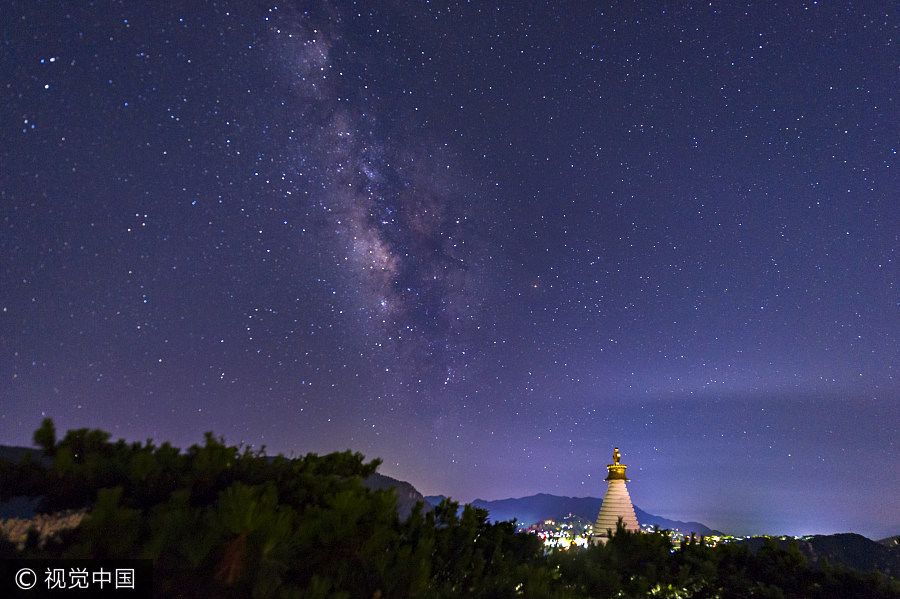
616 503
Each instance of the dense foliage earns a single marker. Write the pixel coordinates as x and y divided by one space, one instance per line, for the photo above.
221 521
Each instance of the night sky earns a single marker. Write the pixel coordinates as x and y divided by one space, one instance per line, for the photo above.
485 243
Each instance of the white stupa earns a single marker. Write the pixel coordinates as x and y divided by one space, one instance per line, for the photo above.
616 503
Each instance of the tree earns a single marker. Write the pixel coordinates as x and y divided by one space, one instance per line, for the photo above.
45 437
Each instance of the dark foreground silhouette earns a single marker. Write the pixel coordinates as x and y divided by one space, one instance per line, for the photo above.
230 522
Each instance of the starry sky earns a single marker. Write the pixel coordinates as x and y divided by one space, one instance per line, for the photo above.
484 242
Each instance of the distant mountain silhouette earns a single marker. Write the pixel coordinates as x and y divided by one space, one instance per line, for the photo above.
540 507
848 549
855 551
11 453
407 495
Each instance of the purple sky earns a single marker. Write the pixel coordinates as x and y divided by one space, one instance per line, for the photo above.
484 243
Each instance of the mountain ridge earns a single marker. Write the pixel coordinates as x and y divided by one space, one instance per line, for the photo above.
849 549
545 506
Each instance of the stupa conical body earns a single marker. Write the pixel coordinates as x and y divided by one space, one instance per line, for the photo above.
616 503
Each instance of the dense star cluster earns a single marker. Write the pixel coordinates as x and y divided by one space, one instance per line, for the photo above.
484 242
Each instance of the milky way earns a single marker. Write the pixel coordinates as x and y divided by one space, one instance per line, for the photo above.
391 213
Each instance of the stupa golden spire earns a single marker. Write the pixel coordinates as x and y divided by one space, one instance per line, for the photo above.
616 470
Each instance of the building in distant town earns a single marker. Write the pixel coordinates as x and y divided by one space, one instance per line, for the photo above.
616 503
